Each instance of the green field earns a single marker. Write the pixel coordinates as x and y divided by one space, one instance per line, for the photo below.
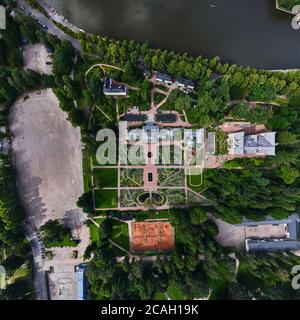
94 232
195 183
105 178
106 199
86 165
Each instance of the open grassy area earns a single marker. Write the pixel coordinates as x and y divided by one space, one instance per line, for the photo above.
86 165
106 178
195 183
120 234
106 199
94 232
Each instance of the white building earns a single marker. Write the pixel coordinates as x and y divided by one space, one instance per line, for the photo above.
258 144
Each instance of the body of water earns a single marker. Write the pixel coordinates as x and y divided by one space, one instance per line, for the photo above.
247 32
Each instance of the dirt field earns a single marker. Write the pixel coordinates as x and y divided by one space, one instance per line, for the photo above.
48 159
35 57
152 236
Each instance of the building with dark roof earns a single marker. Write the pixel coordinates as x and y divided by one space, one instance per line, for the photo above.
166 117
164 78
289 242
185 84
272 245
134 117
112 89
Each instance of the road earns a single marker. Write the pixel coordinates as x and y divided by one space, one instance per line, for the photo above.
41 292
52 28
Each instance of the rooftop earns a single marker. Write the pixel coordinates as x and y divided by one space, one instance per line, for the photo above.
185 82
163 77
261 144
110 88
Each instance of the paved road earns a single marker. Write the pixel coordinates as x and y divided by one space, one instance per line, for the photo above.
39 275
52 28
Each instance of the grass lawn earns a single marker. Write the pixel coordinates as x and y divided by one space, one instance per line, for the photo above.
174 292
106 178
86 164
106 199
195 183
94 232
120 234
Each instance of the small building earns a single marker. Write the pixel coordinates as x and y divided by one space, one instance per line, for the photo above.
111 89
164 78
262 144
185 84
134 117
166 117
282 235
147 73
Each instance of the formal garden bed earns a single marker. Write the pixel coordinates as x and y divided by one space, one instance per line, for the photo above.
128 197
174 196
132 178
171 177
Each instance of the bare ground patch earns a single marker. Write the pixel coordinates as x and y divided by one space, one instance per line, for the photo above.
48 160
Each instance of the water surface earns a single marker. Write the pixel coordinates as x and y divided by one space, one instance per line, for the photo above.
248 32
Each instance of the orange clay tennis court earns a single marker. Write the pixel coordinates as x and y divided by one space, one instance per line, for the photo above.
152 236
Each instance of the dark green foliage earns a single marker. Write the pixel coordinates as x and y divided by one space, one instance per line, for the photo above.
54 234
259 114
63 58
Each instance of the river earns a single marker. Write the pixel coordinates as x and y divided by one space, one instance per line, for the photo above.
247 32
